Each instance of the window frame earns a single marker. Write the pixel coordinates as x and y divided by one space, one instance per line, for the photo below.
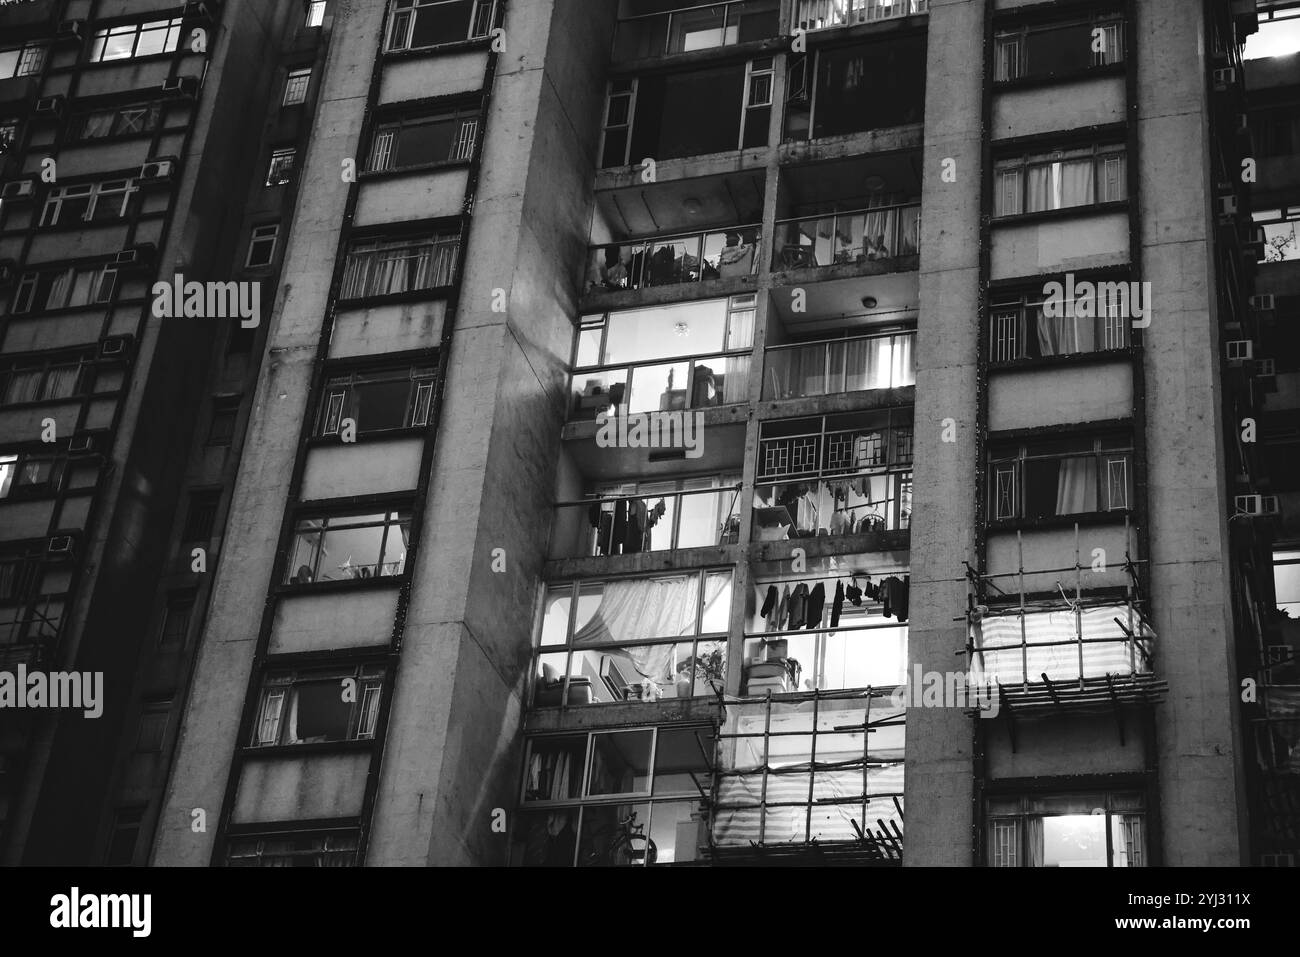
14 465
286 857
1019 35
315 16
465 142
102 276
1099 154
258 237
1015 307
403 17
83 367
295 92
1006 471
278 171
30 59
275 698
1109 798
171 28
401 251
393 518
125 191
151 115
338 397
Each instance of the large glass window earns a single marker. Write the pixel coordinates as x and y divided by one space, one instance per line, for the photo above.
132 40
1019 327
59 377
348 547
655 28
633 639
1069 830
22 60
615 798
126 120
1279 226
89 203
422 141
1286 582
1058 49
415 24
30 474
377 401
311 707
382 267
1060 180
1071 475
867 86
65 287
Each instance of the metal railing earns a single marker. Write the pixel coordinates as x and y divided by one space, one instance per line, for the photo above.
672 260
647 522
696 27
883 234
822 14
662 385
817 508
833 366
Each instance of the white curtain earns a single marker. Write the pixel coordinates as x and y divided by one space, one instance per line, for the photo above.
1076 183
642 609
1034 841
1076 486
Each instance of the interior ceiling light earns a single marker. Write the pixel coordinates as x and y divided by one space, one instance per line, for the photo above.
875 183
869 302
682 329
692 205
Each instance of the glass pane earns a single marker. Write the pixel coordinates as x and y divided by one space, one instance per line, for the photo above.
679 831
682 759
615 836
317 712
545 838
380 405
696 328
1073 840
555 616
555 768
620 762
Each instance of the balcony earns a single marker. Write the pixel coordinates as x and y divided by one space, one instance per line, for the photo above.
825 14
656 519
698 382
869 653
833 366
882 239
675 260
689 28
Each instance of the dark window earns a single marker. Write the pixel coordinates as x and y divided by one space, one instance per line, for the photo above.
425 23
25 472
65 287
115 121
126 832
1058 49
420 141
57 378
202 516
152 729
319 706
862 87
261 245
225 412
377 401
1049 477
687 114
348 547
176 620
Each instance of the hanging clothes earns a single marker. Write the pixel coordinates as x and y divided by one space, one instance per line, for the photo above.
798 607
854 594
769 601
816 604
806 520
619 532
775 622
894 595
637 528
837 605
841 523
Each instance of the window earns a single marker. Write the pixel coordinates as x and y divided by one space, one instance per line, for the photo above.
20 577
1060 180
176 620
261 247
1286 582
644 32
417 24
24 60
1060 476
125 834
65 287
686 355
1058 49
382 267
26 614
89 203
866 86
8 136
60 377
1276 130
656 515
280 171
313 707
135 40
758 103
348 547
152 729
377 401
1019 327
295 87
634 639
1279 226
421 141
1072 830
24 473
129 120
225 413
333 849
202 516
615 798
315 12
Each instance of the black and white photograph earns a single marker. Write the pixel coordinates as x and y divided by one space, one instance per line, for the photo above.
652 434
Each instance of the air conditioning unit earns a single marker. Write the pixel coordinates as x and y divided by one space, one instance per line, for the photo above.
204 10
1240 350
1277 860
59 545
1225 78
50 106
135 257
158 170
82 444
1275 655
1265 367
181 85
18 189
1227 208
70 31
1265 303
114 347
1256 505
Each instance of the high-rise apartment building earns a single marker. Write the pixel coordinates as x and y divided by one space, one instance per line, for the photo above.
767 432
138 142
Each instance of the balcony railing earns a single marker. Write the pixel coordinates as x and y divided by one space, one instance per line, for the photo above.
672 260
858 364
647 522
662 385
820 14
696 27
884 234
816 508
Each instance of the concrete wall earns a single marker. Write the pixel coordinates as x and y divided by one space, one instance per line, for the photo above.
939 757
